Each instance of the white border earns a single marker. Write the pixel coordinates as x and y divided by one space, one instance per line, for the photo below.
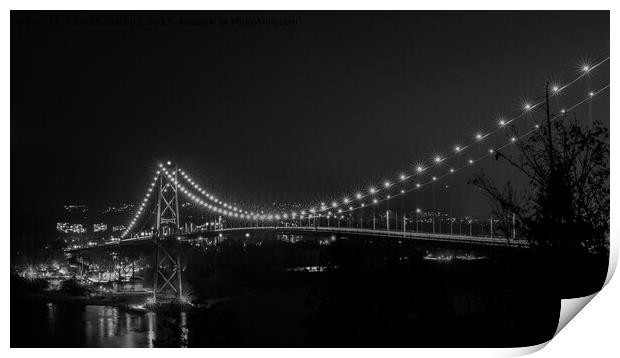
594 331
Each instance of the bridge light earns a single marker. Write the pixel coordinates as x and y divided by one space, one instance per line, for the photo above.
471 161
563 111
555 88
350 208
536 126
513 139
418 210
334 204
372 190
169 163
591 94
374 201
585 68
437 159
434 178
491 151
358 195
363 205
457 148
420 169
402 191
417 185
527 106
345 200
478 136
403 177
386 184
389 196
502 122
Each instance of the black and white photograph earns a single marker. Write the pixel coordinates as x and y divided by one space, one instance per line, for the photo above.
305 178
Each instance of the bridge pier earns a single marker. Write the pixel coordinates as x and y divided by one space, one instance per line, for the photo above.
169 268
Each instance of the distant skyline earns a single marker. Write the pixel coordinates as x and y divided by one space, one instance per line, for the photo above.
303 107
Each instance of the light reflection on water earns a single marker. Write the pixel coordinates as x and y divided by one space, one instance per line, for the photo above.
104 326
70 325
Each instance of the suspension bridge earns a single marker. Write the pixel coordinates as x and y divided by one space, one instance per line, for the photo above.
159 220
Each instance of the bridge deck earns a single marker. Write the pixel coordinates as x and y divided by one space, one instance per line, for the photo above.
422 236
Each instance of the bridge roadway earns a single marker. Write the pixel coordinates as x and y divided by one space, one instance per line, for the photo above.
323 230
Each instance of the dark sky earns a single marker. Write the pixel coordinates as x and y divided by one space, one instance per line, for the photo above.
293 112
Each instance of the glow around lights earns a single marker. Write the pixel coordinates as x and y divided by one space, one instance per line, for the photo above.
140 210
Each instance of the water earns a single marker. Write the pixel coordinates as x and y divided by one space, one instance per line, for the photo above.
47 324
291 291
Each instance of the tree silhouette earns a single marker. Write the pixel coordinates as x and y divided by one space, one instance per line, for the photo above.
565 208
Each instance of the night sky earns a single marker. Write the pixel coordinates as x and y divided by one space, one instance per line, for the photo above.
321 104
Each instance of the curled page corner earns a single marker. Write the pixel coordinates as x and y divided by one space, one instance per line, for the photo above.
569 309
572 306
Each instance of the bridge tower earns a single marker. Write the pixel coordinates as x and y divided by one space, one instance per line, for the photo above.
167 266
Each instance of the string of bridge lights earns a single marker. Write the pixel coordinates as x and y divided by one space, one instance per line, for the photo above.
211 197
140 210
420 168
470 162
228 210
235 212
